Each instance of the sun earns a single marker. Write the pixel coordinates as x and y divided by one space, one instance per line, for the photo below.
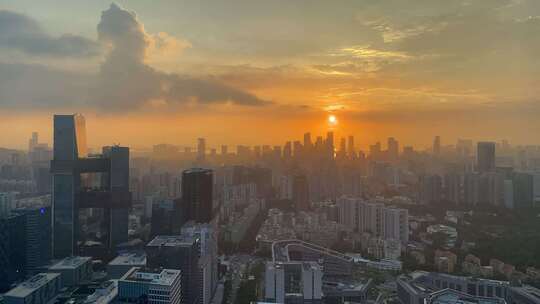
332 119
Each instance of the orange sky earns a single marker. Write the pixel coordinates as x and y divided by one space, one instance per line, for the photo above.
250 72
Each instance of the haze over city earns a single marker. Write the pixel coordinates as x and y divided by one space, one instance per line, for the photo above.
170 71
278 151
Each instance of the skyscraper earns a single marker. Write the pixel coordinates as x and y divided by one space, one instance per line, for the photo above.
300 193
178 252
437 145
287 150
307 140
343 146
70 195
201 149
224 150
393 149
350 147
330 144
486 157
197 194
32 143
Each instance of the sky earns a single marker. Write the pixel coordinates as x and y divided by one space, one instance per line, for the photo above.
262 72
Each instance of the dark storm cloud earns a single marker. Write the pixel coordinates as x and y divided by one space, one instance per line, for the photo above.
19 32
125 82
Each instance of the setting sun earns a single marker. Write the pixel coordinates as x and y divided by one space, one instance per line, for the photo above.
332 120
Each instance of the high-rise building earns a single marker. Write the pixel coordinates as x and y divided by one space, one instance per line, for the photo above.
357 215
38 237
224 150
7 200
330 144
347 213
300 192
178 252
166 217
523 190
396 223
375 151
33 142
71 167
343 147
208 269
437 145
197 195
146 285
486 157
287 150
307 140
393 149
25 243
201 149
351 152
430 189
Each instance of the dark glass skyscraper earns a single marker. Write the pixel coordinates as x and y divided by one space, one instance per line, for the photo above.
178 252
197 194
70 195
486 157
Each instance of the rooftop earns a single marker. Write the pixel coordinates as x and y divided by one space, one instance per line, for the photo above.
171 241
70 263
198 170
104 294
34 283
137 259
449 296
152 276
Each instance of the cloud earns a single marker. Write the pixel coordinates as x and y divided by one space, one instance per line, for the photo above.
21 33
125 80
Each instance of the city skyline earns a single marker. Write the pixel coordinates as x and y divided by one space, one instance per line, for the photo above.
210 70
282 151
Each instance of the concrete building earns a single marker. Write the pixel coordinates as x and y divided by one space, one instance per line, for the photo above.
449 296
420 287
154 286
208 268
334 263
73 270
39 289
357 215
485 157
293 282
123 263
431 189
106 293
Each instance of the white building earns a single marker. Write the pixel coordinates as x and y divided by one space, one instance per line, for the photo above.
355 214
156 286
39 289
293 282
